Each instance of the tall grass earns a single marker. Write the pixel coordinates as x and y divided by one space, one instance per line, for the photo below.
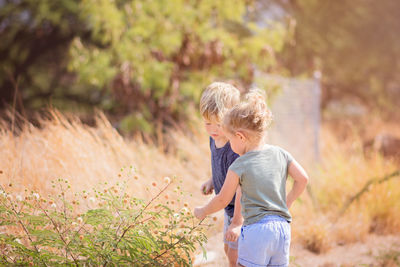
63 147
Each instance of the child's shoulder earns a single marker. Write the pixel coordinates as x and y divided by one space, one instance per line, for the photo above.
224 151
229 150
274 148
277 150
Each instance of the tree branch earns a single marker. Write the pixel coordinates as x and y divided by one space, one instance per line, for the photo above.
365 189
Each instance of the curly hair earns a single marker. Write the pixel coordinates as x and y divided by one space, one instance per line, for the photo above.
252 116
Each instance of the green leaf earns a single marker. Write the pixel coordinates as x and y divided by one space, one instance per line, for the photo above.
97 216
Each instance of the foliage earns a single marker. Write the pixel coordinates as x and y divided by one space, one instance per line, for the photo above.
354 43
106 227
148 60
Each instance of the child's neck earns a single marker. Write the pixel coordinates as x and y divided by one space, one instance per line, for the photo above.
220 141
255 146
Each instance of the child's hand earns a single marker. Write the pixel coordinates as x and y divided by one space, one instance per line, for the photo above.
233 232
207 188
199 213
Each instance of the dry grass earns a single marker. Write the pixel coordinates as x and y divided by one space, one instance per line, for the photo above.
63 147
342 174
314 233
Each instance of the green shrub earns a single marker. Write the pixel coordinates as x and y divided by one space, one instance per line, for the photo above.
101 228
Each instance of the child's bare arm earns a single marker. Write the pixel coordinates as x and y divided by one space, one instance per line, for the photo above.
221 200
233 231
237 218
300 178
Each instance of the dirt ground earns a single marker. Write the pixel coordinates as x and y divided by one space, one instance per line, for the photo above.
366 254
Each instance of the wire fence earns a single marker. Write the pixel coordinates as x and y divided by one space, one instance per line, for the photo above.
297 117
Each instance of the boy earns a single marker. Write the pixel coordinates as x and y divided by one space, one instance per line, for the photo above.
216 99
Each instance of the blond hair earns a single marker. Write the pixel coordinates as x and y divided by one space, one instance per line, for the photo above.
252 116
217 99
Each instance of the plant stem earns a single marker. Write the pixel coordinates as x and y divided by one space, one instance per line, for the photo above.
141 212
21 223
60 235
365 189
136 217
174 244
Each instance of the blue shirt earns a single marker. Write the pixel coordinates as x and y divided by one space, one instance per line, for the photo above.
221 159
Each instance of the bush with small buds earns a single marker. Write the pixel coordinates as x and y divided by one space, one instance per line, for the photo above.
103 228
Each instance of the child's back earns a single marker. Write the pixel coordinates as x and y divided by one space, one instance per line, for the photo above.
262 177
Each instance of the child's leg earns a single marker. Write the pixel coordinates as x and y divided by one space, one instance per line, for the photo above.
232 255
230 248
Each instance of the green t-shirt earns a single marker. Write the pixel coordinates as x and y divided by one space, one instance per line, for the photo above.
262 177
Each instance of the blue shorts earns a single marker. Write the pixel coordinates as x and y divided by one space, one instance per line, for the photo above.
227 222
265 243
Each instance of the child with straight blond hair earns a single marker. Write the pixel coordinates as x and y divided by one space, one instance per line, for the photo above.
261 171
215 101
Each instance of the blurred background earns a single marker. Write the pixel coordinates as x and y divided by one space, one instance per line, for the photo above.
92 85
146 62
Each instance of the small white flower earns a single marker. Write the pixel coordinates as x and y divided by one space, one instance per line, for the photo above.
177 216
79 219
140 232
184 210
18 241
19 198
54 205
3 194
167 180
92 199
36 195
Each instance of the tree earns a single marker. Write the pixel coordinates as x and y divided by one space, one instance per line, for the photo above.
355 43
145 60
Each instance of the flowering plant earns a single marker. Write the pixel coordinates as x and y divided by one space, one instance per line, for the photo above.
106 227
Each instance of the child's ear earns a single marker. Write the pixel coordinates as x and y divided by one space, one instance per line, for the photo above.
241 136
